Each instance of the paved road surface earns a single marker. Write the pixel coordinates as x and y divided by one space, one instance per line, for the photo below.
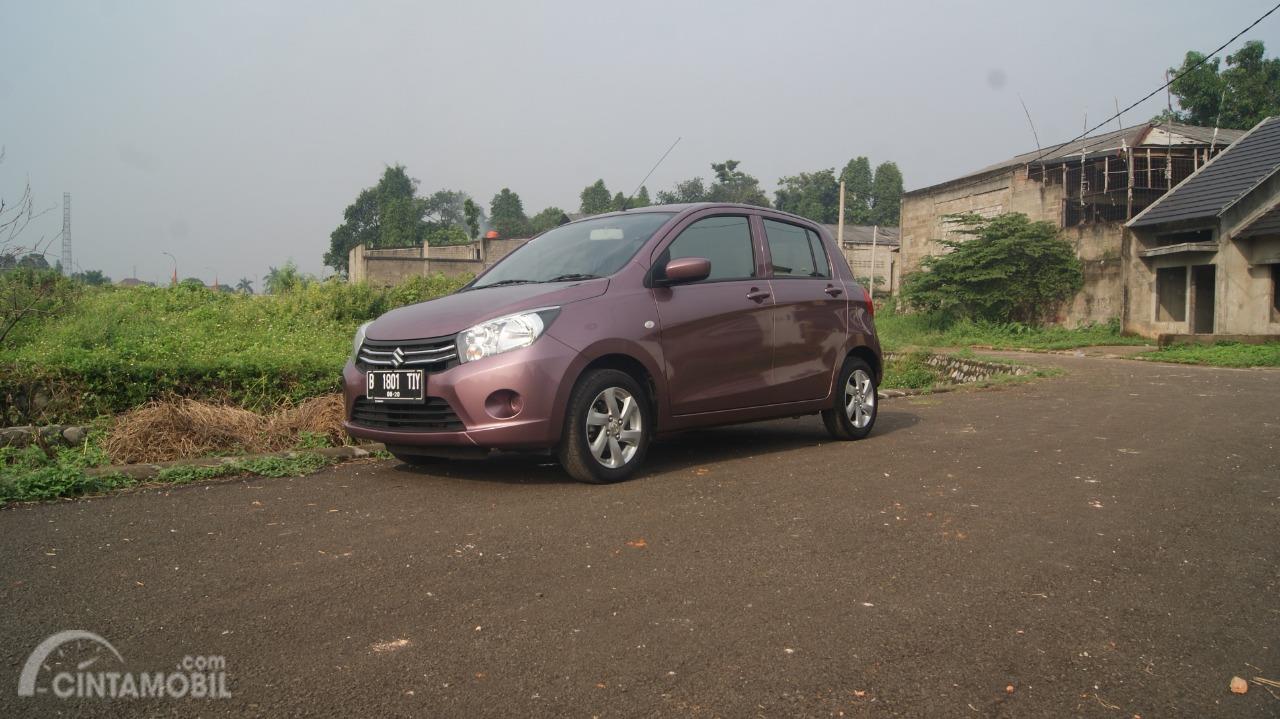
1105 542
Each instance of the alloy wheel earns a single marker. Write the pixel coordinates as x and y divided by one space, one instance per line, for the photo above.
614 427
859 398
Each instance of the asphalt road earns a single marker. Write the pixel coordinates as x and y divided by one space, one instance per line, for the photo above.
1102 542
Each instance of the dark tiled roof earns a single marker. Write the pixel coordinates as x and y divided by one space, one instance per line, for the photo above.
861 234
1108 143
1268 224
1216 186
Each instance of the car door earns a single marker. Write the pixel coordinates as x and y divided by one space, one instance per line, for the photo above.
810 318
716 333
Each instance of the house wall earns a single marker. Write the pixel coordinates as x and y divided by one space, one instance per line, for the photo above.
886 264
1099 246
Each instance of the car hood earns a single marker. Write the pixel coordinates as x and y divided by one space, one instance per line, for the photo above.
456 312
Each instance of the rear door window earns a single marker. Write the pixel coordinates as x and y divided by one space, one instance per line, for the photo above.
795 251
724 240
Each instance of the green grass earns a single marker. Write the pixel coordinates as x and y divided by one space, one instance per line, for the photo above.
899 331
33 474
1221 354
113 349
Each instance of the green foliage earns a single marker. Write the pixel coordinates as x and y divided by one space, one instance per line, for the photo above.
285 278
1240 96
29 296
685 192
471 214
909 371
91 277
34 472
294 466
1009 270
857 188
447 235
547 219
245 285
815 195
886 195
734 185
1220 354
595 199
641 199
898 331
117 348
506 215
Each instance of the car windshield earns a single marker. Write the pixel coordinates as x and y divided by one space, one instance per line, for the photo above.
577 251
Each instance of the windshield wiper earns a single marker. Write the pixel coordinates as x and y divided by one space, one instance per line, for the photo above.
499 283
573 276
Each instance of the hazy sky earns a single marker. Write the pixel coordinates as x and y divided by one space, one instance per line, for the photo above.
233 134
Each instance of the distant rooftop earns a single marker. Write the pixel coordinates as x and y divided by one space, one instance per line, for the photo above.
1217 186
1148 134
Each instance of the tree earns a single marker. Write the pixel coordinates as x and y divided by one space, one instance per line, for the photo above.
28 288
549 218
641 199
285 278
886 195
692 190
506 215
1240 96
446 235
857 188
471 214
733 185
245 286
815 195
595 199
91 277
385 215
1010 269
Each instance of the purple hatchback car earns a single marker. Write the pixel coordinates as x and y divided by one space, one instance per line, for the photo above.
598 336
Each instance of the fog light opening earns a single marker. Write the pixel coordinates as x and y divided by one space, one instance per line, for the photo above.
504 404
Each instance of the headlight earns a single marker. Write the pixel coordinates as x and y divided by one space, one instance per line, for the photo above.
355 346
504 334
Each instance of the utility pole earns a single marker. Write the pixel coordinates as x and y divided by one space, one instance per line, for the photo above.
66 233
871 291
840 220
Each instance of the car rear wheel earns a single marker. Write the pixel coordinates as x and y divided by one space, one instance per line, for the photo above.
608 427
856 403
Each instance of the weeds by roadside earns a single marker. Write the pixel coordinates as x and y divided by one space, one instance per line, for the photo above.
900 330
1221 354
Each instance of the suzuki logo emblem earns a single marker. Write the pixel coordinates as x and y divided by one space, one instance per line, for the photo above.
397 357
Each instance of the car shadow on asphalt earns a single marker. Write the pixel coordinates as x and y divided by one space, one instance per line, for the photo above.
669 454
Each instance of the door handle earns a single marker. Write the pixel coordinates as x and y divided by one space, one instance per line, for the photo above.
757 295
833 291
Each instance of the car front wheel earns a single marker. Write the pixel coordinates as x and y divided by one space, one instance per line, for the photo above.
608 427
856 404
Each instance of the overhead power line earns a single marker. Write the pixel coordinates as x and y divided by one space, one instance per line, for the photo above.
1172 80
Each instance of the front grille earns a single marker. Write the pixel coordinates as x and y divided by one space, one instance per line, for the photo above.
434 415
436 354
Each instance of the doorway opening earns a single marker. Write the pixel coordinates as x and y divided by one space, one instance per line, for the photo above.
1202 282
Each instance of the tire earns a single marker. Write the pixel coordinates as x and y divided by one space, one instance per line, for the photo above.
417 460
613 405
855 403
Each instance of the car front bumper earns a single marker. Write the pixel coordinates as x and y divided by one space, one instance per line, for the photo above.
537 373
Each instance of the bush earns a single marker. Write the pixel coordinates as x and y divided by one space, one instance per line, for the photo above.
116 348
1010 269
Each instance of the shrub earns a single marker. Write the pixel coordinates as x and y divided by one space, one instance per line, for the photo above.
1010 269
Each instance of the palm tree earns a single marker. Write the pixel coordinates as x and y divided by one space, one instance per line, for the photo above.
245 286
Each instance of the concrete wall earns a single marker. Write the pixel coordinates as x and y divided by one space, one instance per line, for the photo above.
392 266
886 265
1099 246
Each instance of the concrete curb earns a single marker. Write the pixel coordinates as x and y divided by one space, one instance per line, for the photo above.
149 471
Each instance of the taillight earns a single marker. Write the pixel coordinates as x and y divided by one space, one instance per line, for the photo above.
871 306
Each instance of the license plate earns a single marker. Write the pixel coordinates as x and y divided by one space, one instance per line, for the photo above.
396 386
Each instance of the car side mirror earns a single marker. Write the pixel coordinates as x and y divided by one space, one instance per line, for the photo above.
687 269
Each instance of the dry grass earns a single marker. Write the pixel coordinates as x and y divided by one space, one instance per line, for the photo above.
184 428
